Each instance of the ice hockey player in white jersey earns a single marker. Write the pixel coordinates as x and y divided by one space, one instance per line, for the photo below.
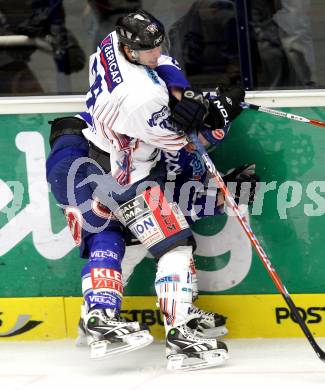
134 122
131 121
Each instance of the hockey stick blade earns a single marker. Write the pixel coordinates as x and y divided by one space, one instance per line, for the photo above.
282 114
257 246
320 353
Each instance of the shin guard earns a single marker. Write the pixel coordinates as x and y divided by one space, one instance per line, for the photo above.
102 285
174 285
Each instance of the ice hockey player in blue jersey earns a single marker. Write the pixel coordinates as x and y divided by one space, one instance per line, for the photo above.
108 170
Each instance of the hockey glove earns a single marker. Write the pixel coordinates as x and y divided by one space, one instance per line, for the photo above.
225 108
242 182
189 113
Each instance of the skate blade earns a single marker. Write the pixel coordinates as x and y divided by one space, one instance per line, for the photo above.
81 340
217 332
104 349
209 359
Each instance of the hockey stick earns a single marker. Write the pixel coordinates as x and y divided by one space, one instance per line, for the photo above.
282 114
257 246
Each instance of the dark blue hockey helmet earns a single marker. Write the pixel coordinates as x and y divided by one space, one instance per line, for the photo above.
140 30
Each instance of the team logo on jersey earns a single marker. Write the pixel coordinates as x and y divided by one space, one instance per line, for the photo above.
161 119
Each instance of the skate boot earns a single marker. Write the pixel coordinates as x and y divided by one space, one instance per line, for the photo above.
185 351
207 324
108 335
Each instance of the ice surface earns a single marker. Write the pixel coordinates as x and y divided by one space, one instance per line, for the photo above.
254 364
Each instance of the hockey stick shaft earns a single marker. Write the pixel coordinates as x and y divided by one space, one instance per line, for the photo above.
256 244
283 114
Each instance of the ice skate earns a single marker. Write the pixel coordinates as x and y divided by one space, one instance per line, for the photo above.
208 324
185 351
108 336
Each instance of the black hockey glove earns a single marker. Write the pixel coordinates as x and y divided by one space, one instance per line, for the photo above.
225 108
242 182
189 113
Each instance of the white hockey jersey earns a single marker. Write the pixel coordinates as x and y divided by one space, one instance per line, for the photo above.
128 106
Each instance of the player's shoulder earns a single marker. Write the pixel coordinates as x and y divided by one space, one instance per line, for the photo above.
165 60
143 85
149 100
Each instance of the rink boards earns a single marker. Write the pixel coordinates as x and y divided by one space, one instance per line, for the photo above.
249 316
39 260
